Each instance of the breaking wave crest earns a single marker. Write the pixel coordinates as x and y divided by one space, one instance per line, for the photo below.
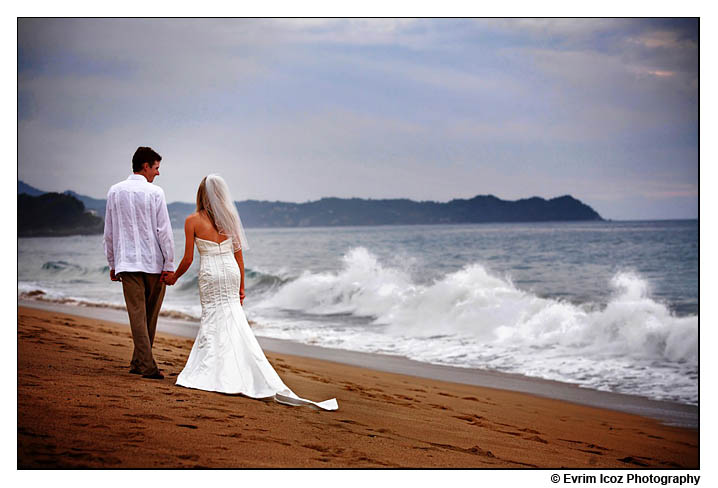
489 309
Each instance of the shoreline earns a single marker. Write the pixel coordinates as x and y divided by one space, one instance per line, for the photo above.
669 413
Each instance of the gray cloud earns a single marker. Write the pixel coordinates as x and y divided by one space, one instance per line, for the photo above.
297 109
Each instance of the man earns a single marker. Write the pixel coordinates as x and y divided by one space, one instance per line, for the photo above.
140 251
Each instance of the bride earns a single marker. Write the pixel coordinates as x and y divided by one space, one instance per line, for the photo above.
226 356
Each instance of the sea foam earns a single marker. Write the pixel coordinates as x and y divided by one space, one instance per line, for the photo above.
489 309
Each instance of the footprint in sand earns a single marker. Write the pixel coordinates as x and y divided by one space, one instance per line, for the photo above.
537 439
694 446
471 419
139 422
634 460
589 448
204 417
594 446
348 421
440 407
447 395
649 435
154 416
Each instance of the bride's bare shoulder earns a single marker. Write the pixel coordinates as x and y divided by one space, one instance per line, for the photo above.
191 221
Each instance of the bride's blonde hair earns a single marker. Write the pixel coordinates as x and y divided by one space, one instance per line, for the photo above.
203 202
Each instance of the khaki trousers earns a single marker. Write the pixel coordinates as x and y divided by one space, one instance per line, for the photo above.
143 296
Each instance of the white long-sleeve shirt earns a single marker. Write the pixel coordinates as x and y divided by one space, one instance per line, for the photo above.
138 233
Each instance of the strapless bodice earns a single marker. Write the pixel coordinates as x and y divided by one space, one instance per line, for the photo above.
206 247
218 277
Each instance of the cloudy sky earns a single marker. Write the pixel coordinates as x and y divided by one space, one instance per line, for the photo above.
430 109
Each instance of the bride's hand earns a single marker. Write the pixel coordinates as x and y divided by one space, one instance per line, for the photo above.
241 296
169 278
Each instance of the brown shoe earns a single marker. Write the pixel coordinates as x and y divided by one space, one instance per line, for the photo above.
135 371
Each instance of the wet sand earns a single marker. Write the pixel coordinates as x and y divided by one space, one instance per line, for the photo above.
79 407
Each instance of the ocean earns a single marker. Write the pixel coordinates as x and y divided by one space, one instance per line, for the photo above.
610 306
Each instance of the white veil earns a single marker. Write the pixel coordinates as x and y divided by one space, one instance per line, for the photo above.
224 211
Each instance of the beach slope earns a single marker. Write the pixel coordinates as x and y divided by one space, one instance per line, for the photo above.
79 407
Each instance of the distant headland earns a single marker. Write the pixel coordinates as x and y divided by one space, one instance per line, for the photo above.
54 215
360 211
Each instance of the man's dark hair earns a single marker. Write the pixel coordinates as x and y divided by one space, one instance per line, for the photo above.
144 155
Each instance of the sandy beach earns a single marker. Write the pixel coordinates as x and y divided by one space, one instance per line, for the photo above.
79 407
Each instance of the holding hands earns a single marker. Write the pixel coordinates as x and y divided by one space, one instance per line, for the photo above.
168 278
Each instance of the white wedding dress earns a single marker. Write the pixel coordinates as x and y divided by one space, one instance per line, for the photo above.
226 356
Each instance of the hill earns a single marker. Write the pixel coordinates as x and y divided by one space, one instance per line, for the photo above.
360 211
54 214
357 211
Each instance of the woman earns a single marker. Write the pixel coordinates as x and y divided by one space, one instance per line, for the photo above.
226 356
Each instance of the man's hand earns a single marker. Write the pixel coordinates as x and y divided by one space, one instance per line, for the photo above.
113 277
168 278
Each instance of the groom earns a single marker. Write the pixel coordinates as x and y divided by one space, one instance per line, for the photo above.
140 251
